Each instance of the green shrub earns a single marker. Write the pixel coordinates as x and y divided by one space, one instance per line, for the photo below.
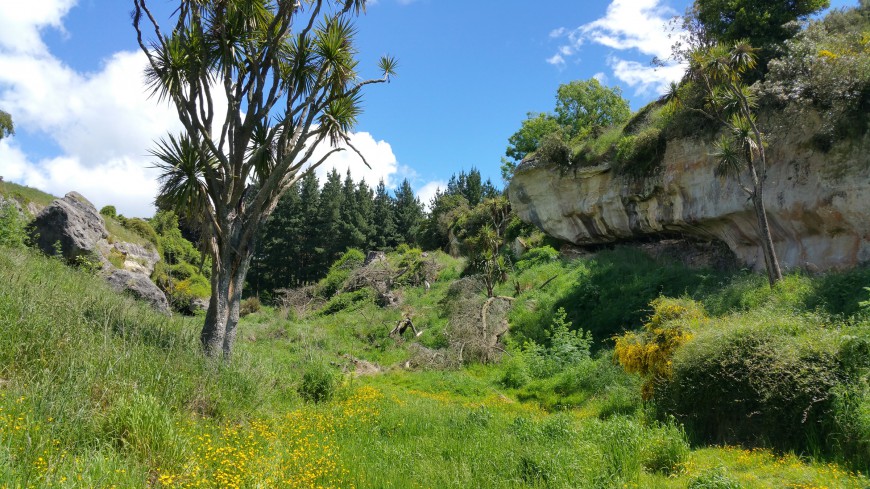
250 306
537 256
340 302
516 373
142 228
319 382
641 154
767 380
13 232
716 478
339 272
109 211
665 449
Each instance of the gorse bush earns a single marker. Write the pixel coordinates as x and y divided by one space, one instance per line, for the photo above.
762 380
649 353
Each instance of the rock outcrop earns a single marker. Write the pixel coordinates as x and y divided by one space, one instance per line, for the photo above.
74 224
139 285
818 202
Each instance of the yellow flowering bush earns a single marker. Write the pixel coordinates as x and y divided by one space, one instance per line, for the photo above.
649 352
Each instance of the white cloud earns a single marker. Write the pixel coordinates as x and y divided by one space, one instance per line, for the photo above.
20 24
601 77
637 26
633 24
379 154
427 191
556 60
645 79
103 122
558 32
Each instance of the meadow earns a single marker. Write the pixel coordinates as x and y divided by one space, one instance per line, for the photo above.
97 390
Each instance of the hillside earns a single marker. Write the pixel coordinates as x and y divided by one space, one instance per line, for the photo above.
99 390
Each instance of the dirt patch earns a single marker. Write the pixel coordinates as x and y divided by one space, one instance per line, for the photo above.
361 368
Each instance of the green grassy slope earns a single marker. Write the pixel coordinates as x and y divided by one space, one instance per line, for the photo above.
99 391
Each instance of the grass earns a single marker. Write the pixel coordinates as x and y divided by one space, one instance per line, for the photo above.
25 195
97 390
117 232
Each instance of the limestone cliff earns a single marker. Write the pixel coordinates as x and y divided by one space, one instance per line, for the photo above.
818 202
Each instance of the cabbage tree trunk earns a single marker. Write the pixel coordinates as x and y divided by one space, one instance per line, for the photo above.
229 269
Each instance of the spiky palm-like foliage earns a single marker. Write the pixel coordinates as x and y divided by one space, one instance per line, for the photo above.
258 85
740 152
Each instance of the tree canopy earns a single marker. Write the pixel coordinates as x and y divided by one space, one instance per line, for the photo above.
288 74
6 126
582 108
760 22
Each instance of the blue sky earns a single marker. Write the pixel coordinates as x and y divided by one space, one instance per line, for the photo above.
469 71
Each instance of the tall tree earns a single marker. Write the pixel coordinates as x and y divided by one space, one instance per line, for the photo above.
7 128
351 224
582 108
409 213
329 219
288 74
365 212
741 152
275 263
383 218
762 23
310 238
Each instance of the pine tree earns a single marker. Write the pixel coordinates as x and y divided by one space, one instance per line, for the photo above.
329 218
310 238
350 221
409 214
383 219
365 212
275 264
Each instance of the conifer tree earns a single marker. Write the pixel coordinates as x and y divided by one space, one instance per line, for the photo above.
328 217
383 218
409 214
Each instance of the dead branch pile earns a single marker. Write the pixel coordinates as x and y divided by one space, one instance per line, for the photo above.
477 323
299 301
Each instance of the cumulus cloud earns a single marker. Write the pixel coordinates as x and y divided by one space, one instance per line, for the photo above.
428 190
20 24
379 155
630 26
103 122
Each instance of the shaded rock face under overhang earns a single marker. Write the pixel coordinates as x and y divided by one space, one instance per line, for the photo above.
818 203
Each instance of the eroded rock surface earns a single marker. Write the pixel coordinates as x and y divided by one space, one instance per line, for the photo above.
818 203
75 224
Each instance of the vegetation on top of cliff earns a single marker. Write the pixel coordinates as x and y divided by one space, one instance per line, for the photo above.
824 68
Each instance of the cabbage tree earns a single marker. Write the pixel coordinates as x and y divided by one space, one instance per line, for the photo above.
259 86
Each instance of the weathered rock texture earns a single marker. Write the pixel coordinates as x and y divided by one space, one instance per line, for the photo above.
138 285
75 223
818 203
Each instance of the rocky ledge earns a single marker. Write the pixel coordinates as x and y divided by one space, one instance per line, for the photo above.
818 202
